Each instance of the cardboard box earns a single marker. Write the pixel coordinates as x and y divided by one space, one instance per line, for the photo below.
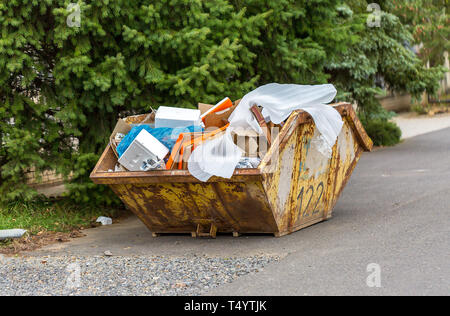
124 126
121 127
216 120
148 118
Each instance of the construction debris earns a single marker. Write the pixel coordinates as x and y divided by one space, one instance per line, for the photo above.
217 139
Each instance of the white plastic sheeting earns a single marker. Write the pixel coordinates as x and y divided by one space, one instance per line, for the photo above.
104 220
11 233
219 156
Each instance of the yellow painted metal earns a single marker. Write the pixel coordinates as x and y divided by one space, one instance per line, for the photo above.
181 207
295 186
303 185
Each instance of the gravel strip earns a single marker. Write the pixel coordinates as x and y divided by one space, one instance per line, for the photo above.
102 275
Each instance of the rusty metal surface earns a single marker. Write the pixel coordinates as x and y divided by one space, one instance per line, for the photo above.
181 207
303 185
294 187
297 189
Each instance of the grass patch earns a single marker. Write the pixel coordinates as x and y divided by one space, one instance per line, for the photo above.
55 216
420 109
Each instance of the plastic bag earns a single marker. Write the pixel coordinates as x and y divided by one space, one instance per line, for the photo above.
248 163
167 136
104 220
215 157
220 156
11 233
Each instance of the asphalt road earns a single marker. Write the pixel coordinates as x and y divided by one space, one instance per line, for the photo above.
395 213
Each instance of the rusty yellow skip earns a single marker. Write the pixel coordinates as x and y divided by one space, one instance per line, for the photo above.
294 186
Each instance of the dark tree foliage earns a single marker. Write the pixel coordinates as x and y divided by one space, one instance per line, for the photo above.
62 87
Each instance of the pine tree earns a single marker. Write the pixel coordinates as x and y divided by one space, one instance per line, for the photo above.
382 58
62 87
428 21
320 41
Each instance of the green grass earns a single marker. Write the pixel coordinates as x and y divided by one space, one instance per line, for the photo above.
420 109
46 215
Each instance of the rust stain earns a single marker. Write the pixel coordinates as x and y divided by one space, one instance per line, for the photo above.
294 187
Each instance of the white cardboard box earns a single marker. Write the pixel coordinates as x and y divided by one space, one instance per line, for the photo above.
176 117
144 148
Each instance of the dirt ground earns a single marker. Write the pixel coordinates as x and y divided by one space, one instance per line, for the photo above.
30 243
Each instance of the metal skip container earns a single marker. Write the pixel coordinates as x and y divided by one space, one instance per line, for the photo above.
293 187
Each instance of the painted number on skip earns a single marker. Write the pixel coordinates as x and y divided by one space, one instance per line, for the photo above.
306 199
